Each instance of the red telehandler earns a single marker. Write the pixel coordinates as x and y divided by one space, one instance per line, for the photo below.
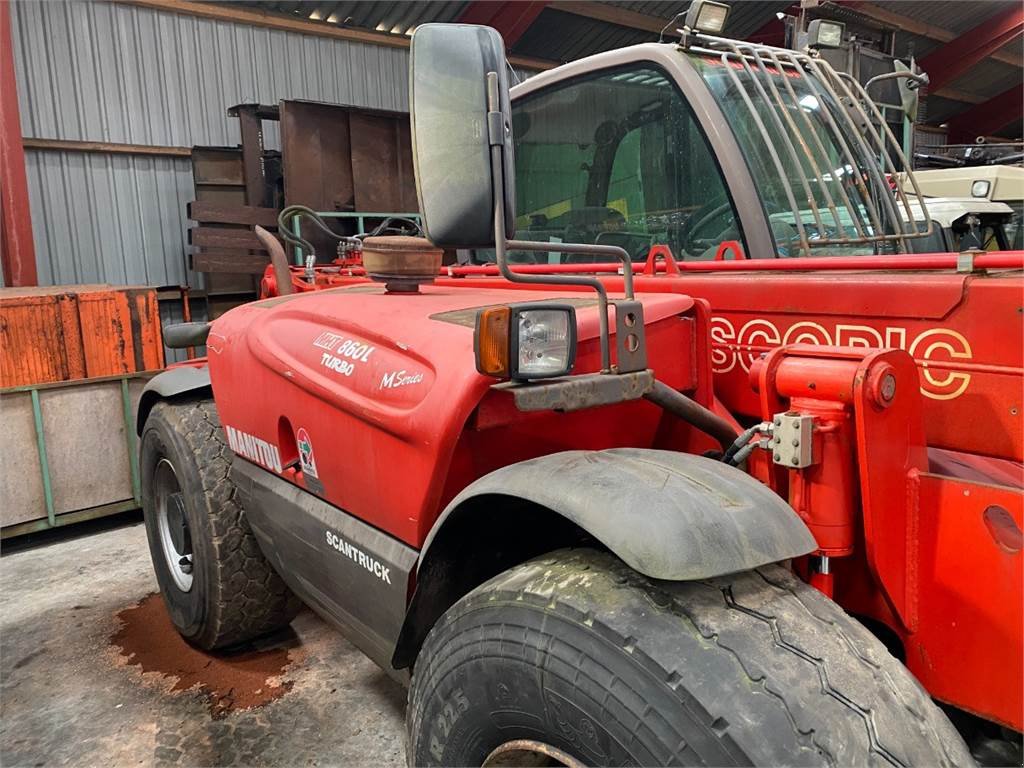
599 494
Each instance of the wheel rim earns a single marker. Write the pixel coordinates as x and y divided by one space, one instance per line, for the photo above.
172 525
527 752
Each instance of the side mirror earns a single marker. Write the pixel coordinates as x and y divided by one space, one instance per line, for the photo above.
460 114
910 89
461 119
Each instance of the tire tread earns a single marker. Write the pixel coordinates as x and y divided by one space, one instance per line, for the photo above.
840 696
248 598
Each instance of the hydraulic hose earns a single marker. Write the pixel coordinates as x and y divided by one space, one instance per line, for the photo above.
741 442
692 412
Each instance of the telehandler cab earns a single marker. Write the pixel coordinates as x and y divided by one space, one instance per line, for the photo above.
585 522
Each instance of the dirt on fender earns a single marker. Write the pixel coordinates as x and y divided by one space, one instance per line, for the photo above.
241 678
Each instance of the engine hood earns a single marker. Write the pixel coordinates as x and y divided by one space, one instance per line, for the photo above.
386 380
388 351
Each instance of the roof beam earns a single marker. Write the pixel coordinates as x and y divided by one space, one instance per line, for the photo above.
511 18
955 94
611 14
988 117
957 56
898 22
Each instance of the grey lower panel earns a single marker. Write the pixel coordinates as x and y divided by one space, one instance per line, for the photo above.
346 570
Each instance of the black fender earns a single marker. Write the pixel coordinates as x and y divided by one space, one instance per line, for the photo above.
667 515
185 379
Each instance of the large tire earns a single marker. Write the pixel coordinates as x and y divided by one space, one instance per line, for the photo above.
578 652
228 593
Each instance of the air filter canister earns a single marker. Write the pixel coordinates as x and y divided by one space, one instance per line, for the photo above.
402 263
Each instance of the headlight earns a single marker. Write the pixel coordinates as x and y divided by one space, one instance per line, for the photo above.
707 17
544 342
527 341
825 34
980 188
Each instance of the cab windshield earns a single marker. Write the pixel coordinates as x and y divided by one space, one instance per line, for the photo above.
816 176
618 157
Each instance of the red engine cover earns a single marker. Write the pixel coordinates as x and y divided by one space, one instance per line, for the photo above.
361 396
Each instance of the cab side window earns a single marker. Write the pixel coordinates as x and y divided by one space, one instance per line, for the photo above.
617 158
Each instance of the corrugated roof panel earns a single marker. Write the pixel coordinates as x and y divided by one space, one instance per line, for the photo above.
941 109
394 17
746 18
1014 129
561 36
988 78
657 8
919 46
401 17
1016 49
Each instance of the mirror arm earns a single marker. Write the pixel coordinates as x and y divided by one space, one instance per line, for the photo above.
496 128
501 257
917 79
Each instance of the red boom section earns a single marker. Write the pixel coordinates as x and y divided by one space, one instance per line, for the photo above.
964 331
944 554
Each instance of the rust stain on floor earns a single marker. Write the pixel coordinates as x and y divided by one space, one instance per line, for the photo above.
242 678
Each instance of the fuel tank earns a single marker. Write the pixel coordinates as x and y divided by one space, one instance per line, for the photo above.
360 396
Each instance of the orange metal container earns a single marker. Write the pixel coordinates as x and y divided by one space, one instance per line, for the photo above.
62 333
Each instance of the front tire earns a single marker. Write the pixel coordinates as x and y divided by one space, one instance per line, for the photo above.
218 587
577 653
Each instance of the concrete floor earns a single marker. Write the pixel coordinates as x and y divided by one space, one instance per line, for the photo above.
68 697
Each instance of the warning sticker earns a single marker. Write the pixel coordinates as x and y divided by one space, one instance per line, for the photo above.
306 458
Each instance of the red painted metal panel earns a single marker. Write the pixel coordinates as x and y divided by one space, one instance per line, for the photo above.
76 332
914 540
17 252
988 117
511 19
968 649
403 439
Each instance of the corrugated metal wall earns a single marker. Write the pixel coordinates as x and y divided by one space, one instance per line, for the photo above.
97 71
108 218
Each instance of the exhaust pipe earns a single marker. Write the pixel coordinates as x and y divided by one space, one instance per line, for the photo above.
278 260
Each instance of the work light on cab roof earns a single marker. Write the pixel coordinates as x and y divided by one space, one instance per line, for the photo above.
707 17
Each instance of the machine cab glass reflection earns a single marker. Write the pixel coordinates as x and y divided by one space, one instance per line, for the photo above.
616 158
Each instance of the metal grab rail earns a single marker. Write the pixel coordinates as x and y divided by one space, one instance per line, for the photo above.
850 116
891 263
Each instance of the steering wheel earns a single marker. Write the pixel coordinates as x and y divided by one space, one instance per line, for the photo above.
689 237
688 233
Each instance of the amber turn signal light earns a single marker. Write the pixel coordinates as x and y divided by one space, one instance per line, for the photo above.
491 341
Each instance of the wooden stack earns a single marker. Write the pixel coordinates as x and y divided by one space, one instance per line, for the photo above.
333 158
